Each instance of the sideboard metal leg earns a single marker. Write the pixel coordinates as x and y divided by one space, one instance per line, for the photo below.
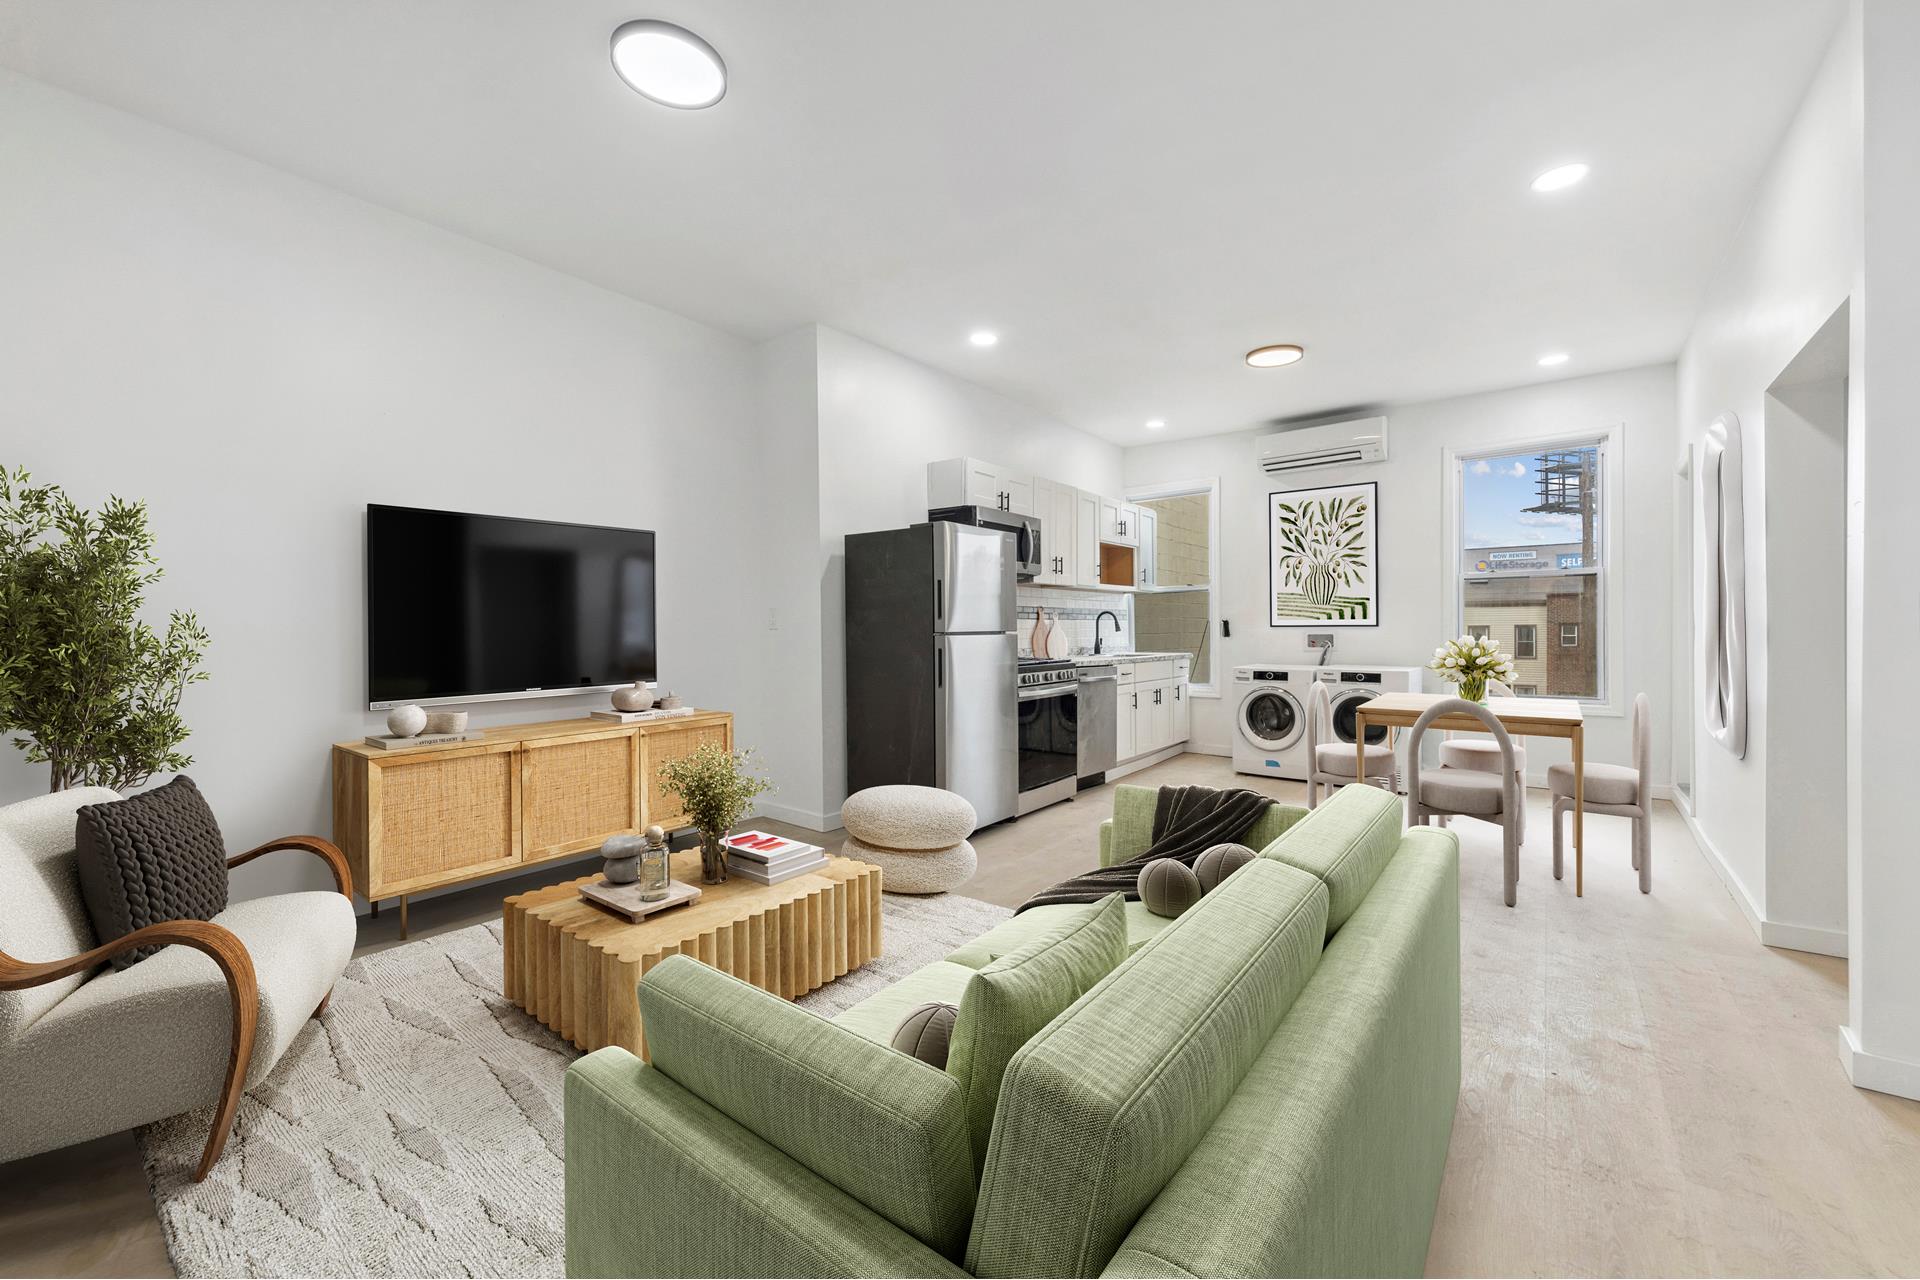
403 917
373 911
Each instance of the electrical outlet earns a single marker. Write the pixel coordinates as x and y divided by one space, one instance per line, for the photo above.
773 619
1319 639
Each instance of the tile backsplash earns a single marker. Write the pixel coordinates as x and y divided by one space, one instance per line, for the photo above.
1075 611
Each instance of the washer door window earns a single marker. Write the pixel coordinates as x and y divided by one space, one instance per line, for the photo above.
1271 719
1344 702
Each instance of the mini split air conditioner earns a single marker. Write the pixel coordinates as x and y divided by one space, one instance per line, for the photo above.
1334 444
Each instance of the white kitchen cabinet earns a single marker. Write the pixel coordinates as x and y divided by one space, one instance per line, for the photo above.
1056 505
1114 522
972 482
1146 521
1153 724
1086 538
1182 712
1126 715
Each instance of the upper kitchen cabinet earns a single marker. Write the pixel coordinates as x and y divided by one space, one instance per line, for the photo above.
969 482
1145 522
1086 538
1056 505
1118 520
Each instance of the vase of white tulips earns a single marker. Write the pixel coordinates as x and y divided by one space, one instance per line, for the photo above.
1470 662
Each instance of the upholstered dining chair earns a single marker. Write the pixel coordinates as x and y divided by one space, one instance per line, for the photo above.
1492 795
87 1050
1472 751
1330 761
1615 790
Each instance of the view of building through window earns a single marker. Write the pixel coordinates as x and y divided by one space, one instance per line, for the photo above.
1176 617
1531 563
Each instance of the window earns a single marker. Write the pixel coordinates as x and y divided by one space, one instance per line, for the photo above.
1173 611
1480 632
1533 558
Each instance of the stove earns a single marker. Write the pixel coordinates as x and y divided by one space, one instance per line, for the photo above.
1047 713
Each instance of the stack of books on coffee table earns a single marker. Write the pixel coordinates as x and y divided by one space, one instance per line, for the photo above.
769 859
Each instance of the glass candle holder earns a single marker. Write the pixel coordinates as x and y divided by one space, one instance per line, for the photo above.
656 868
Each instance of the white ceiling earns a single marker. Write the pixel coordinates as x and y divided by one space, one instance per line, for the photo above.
1132 194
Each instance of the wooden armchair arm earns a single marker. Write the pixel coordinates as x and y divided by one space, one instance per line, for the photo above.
243 988
328 852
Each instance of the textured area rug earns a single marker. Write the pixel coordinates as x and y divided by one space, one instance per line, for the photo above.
414 1129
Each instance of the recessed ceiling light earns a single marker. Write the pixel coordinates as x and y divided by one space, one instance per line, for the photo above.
983 338
1553 358
1276 355
669 65
1560 177
1155 424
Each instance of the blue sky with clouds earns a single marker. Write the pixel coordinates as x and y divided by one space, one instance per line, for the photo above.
1495 493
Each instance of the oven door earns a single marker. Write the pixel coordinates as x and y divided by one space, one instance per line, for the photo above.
1048 726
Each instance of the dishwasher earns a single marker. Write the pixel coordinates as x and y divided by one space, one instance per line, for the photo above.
1097 712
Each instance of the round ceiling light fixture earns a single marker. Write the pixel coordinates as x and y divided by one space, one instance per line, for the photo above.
984 338
1553 358
1560 177
1156 424
1272 357
669 65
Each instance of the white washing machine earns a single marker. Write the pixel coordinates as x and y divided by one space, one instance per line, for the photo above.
1270 721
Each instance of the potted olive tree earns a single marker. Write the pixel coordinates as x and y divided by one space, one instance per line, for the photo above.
717 790
86 685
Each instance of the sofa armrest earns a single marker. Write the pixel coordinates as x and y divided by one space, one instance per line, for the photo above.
661 1184
1106 842
885 1128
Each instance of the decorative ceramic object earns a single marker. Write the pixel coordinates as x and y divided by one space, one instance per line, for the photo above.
671 702
407 721
636 697
1037 639
622 854
446 722
656 867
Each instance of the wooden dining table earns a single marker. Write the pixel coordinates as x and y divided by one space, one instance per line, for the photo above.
1522 717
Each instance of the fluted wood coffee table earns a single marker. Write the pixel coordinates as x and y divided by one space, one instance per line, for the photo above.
577 968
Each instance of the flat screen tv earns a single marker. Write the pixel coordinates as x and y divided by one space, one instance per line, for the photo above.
466 607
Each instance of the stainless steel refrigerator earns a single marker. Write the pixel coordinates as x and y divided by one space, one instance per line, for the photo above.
932 663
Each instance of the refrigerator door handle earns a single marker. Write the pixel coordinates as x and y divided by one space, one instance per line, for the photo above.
939 669
939 599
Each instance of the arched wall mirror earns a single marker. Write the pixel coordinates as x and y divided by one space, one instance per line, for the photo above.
1724 579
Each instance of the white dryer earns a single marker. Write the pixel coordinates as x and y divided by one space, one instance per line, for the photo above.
1270 722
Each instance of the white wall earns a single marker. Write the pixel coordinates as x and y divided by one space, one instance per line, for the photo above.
1792 264
259 357
883 417
1416 560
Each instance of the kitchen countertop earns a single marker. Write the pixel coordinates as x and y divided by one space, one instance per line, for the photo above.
1109 659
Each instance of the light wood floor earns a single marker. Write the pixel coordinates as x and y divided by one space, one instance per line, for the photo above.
1648 1090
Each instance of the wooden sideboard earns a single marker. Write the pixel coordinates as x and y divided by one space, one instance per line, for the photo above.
423 818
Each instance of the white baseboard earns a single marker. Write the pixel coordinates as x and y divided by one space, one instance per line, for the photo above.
1871 1071
1772 933
1134 766
812 820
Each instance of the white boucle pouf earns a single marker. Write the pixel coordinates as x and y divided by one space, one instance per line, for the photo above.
917 836
916 870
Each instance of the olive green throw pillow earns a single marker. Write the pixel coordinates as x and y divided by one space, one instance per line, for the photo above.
1009 1001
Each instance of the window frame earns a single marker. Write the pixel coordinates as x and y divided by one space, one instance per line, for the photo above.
1209 485
1610 576
1533 639
1480 632
1564 642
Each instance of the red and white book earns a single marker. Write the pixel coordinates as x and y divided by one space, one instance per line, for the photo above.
771 850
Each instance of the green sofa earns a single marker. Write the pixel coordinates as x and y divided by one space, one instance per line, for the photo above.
1263 1087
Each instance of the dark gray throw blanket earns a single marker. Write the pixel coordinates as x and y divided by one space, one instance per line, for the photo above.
1187 821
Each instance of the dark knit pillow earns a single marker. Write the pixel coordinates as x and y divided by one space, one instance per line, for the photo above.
152 857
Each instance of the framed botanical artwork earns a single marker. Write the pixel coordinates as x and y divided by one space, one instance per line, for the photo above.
1323 556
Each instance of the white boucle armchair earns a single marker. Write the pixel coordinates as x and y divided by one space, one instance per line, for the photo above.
86 1050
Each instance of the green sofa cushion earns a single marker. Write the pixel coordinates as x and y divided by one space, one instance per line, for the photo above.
1129 832
1329 1158
1013 998
886 1129
1347 842
1100 1108
878 1016
1017 931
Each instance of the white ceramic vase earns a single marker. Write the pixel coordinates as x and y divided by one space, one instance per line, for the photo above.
407 721
636 697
